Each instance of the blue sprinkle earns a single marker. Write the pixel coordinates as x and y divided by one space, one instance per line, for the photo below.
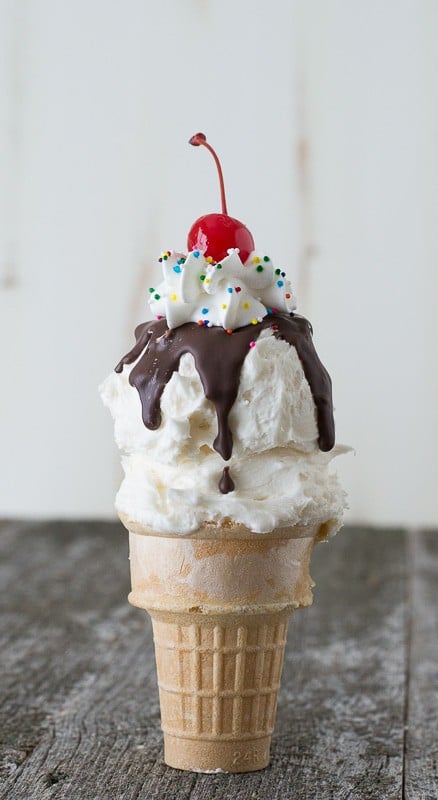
196 253
205 310
280 283
160 260
177 269
269 310
205 322
230 290
283 274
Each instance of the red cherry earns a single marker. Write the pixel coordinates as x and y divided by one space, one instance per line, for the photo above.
215 234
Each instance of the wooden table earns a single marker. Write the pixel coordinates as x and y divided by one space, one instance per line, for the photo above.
358 710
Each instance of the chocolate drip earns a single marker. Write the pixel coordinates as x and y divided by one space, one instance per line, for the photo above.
218 359
226 483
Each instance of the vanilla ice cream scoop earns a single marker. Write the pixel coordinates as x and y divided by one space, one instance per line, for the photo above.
218 426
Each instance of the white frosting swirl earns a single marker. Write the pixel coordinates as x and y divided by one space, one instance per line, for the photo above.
228 293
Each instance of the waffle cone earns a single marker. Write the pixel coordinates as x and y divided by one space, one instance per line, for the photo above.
220 601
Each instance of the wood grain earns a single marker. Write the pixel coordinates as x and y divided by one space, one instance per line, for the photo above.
79 713
421 753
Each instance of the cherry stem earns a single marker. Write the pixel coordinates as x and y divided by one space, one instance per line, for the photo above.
196 141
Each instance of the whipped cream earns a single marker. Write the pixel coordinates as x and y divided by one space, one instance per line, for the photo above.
228 293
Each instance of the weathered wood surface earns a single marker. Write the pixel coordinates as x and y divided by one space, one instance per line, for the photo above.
421 777
79 713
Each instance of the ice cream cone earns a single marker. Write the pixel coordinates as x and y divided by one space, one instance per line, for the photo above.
220 601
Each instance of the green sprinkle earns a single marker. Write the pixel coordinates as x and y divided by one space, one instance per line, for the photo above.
202 277
152 291
165 258
156 296
266 258
278 271
218 266
259 268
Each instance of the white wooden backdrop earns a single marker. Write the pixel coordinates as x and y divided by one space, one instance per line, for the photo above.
325 114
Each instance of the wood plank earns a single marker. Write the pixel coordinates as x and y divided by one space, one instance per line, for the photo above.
421 755
79 710
340 727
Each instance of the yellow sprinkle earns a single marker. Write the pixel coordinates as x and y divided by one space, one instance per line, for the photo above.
254 321
209 259
246 305
207 280
173 296
224 305
256 260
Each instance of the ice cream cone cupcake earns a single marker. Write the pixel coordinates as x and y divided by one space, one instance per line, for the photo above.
223 412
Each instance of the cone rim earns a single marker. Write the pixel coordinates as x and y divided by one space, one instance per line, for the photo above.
228 529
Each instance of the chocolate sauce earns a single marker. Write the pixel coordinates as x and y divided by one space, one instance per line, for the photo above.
218 359
226 483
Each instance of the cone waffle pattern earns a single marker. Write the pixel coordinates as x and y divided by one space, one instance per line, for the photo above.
219 682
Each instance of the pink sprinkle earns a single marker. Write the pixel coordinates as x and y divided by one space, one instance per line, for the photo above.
159 316
252 344
275 310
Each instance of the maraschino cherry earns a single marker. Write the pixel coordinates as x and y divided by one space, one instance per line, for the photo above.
215 234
